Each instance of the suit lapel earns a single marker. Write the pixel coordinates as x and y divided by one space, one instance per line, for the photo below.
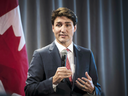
55 55
76 62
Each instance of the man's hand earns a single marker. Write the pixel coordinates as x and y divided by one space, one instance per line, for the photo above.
61 73
85 84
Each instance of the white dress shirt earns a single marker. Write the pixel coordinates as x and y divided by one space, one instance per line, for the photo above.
70 55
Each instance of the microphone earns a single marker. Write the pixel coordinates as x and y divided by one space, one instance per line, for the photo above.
64 57
63 60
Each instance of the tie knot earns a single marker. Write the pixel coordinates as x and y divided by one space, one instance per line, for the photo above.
67 49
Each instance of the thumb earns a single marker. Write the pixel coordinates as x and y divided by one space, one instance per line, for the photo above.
87 75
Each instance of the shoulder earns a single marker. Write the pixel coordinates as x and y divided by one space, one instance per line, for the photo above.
45 49
82 49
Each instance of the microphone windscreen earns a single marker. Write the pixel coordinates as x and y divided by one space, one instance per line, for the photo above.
64 52
63 58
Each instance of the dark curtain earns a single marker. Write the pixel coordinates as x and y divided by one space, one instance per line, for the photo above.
102 27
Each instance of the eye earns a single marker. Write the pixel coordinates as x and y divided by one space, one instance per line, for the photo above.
67 25
58 25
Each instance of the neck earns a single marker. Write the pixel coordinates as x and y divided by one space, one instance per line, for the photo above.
65 44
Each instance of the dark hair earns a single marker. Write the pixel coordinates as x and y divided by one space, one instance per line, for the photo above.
62 11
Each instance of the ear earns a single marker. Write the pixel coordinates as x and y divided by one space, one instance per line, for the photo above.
53 28
75 27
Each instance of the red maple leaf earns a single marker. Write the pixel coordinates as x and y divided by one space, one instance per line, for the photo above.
13 63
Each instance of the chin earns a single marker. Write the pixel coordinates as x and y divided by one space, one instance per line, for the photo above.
62 42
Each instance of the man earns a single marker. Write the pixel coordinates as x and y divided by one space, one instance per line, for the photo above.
46 76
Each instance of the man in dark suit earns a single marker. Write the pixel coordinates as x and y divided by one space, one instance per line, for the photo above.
46 76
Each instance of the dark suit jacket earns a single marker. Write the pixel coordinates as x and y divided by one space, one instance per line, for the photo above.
44 64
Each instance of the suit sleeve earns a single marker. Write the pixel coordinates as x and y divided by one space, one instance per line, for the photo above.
36 83
94 75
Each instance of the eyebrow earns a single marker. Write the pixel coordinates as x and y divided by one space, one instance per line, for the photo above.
67 22
64 22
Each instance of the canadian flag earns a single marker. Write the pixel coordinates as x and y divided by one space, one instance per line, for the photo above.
13 55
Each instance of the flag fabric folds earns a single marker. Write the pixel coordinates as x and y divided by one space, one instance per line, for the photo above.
13 55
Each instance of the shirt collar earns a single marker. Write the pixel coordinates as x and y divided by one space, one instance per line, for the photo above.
61 47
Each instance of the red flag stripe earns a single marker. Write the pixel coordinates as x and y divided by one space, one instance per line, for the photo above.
7 5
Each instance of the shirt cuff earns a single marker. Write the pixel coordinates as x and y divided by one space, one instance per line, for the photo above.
92 94
54 87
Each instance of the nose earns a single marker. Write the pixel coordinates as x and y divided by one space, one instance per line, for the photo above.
63 29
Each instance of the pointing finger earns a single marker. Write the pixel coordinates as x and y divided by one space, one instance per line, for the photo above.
87 75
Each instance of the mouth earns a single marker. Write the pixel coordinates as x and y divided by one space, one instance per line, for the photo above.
62 35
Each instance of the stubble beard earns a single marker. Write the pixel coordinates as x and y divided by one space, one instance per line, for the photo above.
64 42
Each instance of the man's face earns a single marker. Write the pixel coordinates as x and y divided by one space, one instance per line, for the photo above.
63 30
